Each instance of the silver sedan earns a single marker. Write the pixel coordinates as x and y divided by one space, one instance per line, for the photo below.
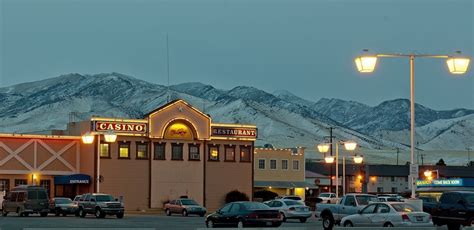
388 214
290 209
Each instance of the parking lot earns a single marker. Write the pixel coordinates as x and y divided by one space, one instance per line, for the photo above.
129 221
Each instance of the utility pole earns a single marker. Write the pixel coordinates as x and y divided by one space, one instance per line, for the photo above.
330 152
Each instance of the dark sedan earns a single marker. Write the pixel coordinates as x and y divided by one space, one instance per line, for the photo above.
244 214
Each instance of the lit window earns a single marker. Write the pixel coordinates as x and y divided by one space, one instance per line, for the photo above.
245 154
213 153
229 153
4 185
261 163
284 164
194 152
159 151
124 150
296 165
104 150
142 150
273 164
176 151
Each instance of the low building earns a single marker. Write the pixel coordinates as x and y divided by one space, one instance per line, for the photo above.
175 150
281 171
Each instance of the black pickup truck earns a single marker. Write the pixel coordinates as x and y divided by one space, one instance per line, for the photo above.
454 209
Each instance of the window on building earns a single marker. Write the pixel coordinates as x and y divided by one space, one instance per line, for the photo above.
379 189
104 150
47 185
176 151
4 185
245 153
142 150
296 165
159 151
394 190
273 164
124 150
229 153
20 182
261 163
392 178
214 152
284 164
194 152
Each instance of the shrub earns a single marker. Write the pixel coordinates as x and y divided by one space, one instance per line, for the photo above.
235 195
265 195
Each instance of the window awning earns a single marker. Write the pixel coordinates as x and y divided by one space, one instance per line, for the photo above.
73 179
283 184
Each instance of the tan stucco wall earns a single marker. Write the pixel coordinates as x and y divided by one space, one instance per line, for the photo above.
279 174
223 177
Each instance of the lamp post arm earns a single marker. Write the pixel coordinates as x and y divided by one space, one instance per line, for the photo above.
412 55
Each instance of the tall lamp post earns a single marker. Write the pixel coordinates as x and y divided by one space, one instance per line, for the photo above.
349 145
456 65
88 138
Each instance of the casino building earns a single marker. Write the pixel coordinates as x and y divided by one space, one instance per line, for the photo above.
175 150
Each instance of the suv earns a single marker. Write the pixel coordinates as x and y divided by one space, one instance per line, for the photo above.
25 200
455 208
100 205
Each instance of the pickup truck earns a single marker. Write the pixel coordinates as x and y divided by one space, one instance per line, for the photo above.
455 208
331 214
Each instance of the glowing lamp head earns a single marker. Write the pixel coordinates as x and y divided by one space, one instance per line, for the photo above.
35 176
428 173
110 136
359 177
87 138
329 159
324 147
458 65
350 145
366 64
358 159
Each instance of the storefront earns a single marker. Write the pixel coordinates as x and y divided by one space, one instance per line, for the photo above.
175 150
434 188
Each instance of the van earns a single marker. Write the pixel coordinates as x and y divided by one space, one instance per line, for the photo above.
25 200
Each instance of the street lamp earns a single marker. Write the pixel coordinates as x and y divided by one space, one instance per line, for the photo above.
429 174
88 138
348 145
456 65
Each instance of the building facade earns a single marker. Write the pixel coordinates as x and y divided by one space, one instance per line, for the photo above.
174 151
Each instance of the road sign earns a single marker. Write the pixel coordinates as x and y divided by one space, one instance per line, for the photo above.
414 170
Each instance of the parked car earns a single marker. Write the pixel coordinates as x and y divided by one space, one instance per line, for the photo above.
76 199
331 214
63 206
454 209
289 197
244 214
290 209
25 200
388 214
184 207
100 205
388 199
328 197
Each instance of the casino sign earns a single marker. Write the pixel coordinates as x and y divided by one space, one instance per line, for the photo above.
119 127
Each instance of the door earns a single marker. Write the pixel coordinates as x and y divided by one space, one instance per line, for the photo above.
349 207
234 213
222 214
364 218
380 215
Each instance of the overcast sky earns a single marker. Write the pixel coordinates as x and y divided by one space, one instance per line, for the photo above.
304 46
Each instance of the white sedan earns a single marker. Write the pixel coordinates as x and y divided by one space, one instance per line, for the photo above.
290 209
388 214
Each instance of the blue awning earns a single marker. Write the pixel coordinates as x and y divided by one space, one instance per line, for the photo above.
73 179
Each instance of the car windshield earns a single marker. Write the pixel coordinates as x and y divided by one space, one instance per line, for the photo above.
104 198
63 201
189 202
364 200
403 208
469 198
292 202
324 195
254 205
293 197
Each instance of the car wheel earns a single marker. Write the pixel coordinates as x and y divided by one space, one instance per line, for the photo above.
99 213
120 215
4 212
76 213
18 211
328 222
348 224
64 214
43 214
168 212
201 215
240 224
388 225
82 213
26 214
454 226
210 224
302 220
185 213
57 212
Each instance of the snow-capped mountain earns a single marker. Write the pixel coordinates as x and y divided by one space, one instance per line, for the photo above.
283 119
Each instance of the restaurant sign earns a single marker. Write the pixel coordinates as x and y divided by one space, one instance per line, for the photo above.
440 183
120 127
234 132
